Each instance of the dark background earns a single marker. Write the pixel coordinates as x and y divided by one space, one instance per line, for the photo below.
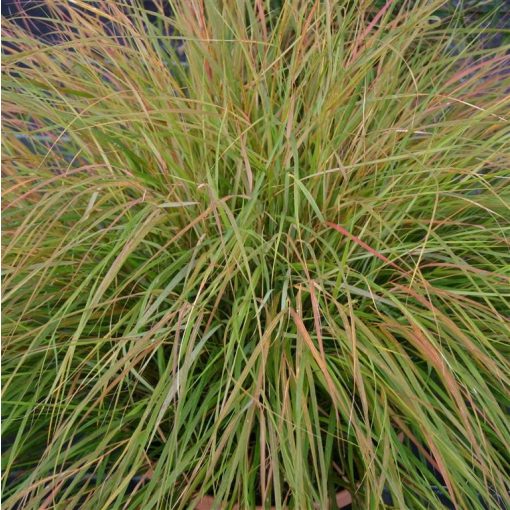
473 11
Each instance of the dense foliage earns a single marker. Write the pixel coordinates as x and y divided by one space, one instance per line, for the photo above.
271 273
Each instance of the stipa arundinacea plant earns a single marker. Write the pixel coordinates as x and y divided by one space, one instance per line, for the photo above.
272 273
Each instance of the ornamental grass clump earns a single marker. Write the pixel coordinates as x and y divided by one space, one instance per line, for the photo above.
275 272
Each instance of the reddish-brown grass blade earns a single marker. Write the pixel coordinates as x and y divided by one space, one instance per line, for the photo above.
361 243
